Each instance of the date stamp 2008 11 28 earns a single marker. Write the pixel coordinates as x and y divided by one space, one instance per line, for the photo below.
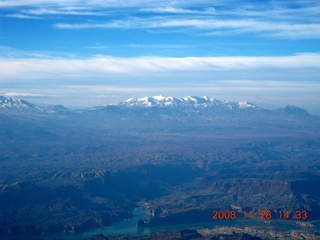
263 214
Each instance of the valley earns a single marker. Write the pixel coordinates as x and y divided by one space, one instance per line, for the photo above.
77 170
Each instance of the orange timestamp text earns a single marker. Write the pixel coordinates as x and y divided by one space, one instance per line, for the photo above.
263 214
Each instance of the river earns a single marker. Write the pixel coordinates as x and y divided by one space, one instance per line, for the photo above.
128 227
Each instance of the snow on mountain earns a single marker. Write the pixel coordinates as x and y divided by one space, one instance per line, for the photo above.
15 103
155 101
189 101
246 105
19 104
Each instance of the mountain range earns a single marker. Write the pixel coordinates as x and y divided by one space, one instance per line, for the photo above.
157 113
164 102
186 102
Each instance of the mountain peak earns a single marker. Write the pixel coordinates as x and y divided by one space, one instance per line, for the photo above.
14 103
292 110
188 101
154 101
17 104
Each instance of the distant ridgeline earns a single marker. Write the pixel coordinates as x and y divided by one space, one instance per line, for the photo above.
185 103
164 112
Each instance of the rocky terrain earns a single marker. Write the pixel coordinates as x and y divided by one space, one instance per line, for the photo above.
182 158
226 233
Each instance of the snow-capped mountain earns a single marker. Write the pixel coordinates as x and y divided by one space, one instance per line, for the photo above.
155 101
189 101
157 112
165 104
16 103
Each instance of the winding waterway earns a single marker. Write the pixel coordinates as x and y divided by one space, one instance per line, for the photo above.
128 227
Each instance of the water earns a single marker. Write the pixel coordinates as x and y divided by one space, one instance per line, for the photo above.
124 227
128 227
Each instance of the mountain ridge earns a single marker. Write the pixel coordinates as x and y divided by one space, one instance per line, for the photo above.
147 102
188 101
15 103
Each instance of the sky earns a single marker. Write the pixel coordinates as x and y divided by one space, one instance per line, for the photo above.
89 53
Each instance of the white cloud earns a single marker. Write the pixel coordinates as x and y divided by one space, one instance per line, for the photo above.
234 86
20 15
22 94
104 66
170 9
99 3
111 89
44 12
275 19
269 28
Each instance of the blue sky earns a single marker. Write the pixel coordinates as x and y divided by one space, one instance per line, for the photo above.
86 53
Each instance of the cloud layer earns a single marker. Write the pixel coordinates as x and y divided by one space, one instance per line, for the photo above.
104 66
281 19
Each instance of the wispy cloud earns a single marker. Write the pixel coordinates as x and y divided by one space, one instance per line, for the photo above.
23 94
232 86
113 89
100 3
208 26
21 15
141 46
170 9
281 19
62 11
101 65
